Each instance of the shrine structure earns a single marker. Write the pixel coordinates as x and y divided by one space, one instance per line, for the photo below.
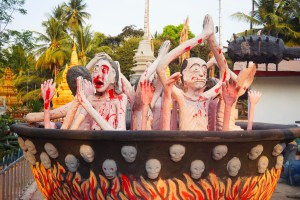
63 93
8 92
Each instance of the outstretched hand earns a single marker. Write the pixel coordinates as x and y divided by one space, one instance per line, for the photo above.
230 92
254 97
147 91
164 48
171 81
48 88
208 25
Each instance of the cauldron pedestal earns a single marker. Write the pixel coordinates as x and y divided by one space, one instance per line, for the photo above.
129 179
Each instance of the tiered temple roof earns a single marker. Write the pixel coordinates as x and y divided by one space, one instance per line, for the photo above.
8 92
63 93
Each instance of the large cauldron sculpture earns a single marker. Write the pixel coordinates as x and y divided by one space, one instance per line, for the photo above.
76 164
141 164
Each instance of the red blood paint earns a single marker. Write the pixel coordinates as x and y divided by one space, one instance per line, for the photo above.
204 104
105 69
224 76
111 94
187 48
217 90
47 99
200 41
220 51
245 88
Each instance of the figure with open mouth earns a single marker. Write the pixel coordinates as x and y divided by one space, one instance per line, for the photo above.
107 106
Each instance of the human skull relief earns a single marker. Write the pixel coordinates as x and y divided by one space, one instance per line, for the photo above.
45 160
263 163
30 147
129 153
278 149
234 166
22 144
255 152
87 153
109 168
153 168
219 152
197 168
279 162
177 151
71 163
51 150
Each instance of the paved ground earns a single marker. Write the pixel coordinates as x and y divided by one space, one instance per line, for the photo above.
280 192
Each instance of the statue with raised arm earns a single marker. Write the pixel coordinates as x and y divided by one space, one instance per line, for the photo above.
193 101
107 106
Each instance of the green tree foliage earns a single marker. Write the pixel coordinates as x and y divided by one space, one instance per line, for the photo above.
8 140
83 38
131 31
125 53
172 33
75 14
55 46
7 9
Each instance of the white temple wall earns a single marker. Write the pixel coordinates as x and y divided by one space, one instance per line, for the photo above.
280 101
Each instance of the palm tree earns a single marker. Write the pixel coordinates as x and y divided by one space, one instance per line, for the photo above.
83 39
270 16
75 14
55 47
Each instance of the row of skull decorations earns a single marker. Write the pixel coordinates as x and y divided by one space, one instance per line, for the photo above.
152 166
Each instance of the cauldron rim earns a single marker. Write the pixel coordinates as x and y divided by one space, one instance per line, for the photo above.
263 132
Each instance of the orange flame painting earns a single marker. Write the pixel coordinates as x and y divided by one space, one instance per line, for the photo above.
127 187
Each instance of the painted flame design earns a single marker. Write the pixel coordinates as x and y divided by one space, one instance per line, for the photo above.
55 183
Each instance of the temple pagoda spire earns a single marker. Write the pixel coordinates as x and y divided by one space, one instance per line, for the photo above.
8 92
63 93
147 35
144 53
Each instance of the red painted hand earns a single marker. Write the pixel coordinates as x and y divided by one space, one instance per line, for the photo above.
230 92
147 91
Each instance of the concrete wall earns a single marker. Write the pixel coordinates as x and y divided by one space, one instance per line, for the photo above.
280 101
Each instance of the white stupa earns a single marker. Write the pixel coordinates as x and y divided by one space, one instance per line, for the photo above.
144 53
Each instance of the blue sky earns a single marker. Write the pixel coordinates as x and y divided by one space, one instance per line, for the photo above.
111 16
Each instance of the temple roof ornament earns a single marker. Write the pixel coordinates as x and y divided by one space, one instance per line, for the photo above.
63 93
